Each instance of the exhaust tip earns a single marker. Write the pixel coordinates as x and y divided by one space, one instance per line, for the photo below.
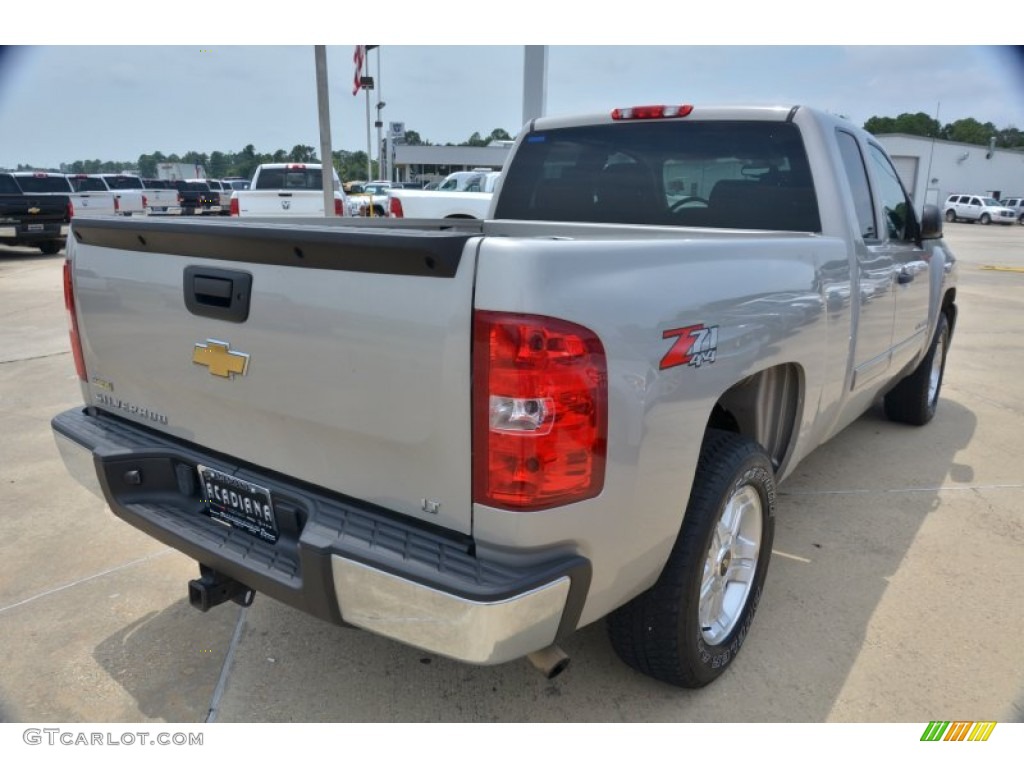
550 662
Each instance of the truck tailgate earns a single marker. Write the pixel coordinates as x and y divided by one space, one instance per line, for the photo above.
344 363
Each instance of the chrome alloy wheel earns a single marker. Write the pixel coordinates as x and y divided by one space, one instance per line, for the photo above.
731 564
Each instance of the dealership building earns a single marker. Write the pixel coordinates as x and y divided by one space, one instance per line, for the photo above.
932 169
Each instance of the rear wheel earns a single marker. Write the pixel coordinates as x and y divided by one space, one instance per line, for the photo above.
915 398
951 215
688 627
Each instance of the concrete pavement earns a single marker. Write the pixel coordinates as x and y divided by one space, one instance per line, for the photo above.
894 592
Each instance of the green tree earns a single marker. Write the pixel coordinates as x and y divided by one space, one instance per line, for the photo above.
412 138
280 156
246 162
877 125
499 134
302 153
969 131
1009 137
351 166
147 164
218 165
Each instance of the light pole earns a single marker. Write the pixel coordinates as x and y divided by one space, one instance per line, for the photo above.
381 153
381 158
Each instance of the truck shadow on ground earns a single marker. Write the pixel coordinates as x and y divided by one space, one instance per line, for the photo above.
170 661
846 521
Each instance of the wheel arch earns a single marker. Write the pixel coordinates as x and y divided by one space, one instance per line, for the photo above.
766 407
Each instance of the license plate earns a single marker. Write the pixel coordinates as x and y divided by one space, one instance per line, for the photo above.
36 227
238 503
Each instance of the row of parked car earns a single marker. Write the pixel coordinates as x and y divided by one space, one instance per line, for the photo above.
983 209
127 194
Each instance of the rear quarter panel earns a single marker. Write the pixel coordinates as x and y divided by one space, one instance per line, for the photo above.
773 299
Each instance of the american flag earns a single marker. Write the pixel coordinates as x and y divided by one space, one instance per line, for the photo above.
358 57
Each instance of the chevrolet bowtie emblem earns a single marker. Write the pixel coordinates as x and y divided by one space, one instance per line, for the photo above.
221 361
33 210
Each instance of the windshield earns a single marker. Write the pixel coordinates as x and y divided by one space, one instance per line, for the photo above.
989 201
724 174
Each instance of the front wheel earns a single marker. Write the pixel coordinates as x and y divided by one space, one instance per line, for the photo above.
985 219
915 399
688 627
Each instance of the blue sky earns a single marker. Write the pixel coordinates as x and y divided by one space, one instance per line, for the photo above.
60 103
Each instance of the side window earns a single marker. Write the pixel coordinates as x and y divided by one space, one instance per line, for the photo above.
857 177
899 214
975 201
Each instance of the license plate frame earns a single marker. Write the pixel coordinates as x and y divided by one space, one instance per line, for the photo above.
238 503
35 227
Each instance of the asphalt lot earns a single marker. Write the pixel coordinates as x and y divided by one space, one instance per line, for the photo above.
894 594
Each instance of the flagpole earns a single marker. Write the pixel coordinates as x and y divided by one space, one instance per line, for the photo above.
369 156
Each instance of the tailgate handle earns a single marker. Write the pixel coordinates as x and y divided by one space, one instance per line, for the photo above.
221 294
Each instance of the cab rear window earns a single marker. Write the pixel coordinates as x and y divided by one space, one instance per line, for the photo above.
38 184
290 178
722 174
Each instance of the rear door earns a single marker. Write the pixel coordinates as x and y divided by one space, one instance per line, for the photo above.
330 354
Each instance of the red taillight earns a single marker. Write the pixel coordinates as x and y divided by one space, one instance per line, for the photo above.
395 208
69 211
540 411
180 199
145 202
234 206
117 204
69 303
651 112
339 208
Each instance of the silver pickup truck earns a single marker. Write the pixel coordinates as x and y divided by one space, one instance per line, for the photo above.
477 437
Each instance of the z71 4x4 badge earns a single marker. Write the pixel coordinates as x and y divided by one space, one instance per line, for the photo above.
694 345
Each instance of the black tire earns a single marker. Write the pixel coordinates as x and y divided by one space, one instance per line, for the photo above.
915 399
985 219
50 247
951 215
662 632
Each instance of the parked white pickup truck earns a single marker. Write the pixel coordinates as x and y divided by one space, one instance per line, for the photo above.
127 190
287 189
161 196
473 202
478 437
84 199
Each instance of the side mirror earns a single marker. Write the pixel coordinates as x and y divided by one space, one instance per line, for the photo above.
931 222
